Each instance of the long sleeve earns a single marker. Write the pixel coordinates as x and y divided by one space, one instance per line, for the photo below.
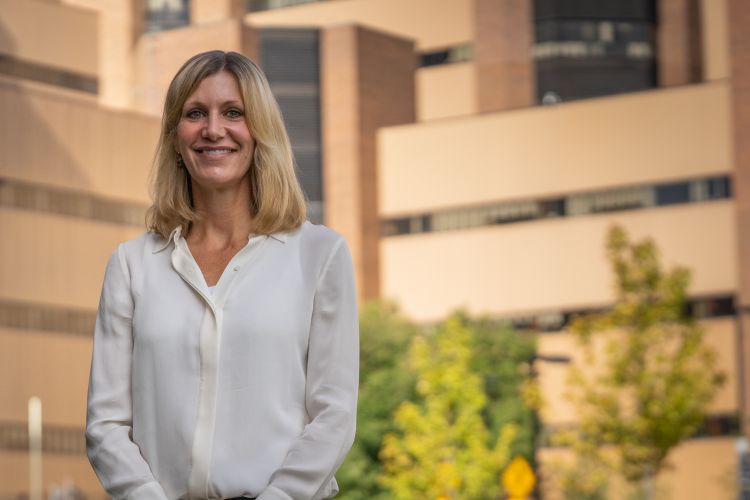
116 459
331 387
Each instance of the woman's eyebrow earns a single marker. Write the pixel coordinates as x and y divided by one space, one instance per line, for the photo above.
231 102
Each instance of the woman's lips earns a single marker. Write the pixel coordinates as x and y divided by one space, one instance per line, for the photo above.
215 153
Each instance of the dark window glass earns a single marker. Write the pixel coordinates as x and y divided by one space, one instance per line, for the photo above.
257 5
719 188
164 15
672 193
589 49
435 58
395 227
551 208
455 54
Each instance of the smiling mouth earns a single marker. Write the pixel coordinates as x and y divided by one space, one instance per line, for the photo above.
215 152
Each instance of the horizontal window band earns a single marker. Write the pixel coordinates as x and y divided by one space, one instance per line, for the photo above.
10 66
585 203
716 425
39 317
58 439
46 318
261 5
706 307
455 54
60 201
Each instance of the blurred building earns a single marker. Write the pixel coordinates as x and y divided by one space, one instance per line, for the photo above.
473 152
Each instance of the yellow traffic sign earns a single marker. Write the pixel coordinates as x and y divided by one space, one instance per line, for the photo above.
518 479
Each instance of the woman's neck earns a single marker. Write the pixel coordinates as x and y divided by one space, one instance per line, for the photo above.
225 218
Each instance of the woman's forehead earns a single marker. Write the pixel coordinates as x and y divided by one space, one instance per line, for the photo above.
219 88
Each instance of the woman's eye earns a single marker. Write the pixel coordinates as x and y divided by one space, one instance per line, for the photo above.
194 114
234 113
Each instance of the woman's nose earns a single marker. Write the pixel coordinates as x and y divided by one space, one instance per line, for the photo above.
214 128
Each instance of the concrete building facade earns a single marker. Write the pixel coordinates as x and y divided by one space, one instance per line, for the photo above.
473 153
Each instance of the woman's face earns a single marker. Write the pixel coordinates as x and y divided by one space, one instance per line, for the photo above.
212 135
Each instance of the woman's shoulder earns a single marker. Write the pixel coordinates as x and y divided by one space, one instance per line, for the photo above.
316 235
146 243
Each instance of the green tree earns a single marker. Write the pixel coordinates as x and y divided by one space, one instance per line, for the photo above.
649 388
442 448
504 357
385 382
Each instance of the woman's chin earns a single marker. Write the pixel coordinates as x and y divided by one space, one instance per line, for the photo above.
218 183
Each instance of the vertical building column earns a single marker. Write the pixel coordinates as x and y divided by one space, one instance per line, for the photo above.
503 54
120 25
367 82
739 62
679 40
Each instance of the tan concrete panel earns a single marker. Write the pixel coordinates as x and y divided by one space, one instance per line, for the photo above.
678 42
720 334
433 24
50 34
61 138
208 11
551 264
634 138
703 468
361 70
159 55
58 469
55 260
715 39
700 469
52 366
445 91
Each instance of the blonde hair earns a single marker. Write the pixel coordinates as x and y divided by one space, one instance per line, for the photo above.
277 201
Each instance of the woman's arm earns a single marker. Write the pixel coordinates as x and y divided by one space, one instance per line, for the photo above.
331 388
116 459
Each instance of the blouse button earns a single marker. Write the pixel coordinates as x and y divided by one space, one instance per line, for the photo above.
236 268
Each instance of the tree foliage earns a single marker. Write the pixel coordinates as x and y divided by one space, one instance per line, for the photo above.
385 382
504 357
649 388
442 447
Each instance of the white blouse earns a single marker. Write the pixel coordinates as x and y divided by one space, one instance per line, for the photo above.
249 391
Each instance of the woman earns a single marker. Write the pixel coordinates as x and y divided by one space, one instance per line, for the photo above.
225 359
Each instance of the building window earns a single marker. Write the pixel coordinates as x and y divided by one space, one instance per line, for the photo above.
162 15
589 49
258 5
606 200
455 54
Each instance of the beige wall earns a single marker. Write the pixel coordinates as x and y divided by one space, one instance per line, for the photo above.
54 259
52 366
73 30
209 11
433 24
551 264
715 39
158 56
714 24
635 138
57 468
62 138
119 23
701 469
445 91
720 334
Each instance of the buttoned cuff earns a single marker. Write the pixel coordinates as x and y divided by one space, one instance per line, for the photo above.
273 493
149 491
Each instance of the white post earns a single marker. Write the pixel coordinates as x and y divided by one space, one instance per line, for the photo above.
35 448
